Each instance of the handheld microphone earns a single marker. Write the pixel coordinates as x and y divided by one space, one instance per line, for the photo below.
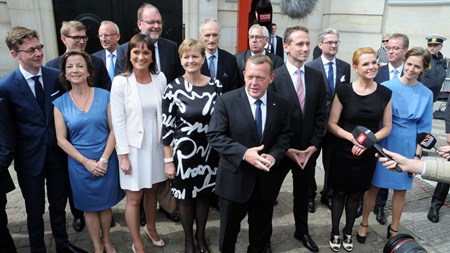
367 138
426 141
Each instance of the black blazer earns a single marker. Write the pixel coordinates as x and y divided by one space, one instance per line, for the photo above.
383 74
227 70
343 75
242 58
232 131
101 77
7 146
279 47
308 127
120 61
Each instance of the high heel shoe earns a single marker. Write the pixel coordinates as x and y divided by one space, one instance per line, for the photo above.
347 242
202 248
389 230
132 248
335 243
359 238
159 243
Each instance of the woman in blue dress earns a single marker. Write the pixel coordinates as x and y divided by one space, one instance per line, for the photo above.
84 132
412 105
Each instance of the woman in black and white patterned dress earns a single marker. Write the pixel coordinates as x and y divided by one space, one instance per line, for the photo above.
187 105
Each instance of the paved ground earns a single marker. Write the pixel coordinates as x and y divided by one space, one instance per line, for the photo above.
433 237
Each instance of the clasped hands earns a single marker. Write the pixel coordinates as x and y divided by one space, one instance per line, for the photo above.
301 157
263 162
96 168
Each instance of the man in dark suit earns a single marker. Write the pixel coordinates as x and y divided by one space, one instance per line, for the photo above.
396 49
258 37
6 183
112 55
73 35
149 22
28 92
222 63
335 72
304 88
276 42
250 144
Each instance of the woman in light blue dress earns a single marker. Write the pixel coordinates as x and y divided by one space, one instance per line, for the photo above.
84 132
412 105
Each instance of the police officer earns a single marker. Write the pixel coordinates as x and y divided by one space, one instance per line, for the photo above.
435 75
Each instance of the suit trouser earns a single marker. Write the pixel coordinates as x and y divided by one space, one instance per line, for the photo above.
6 241
260 213
54 175
381 199
439 195
327 150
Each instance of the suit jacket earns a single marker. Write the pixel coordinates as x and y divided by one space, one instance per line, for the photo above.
7 147
242 58
343 73
231 134
120 60
383 74
34 131
309 126
101 77
126 110
227 70
169 58
279 50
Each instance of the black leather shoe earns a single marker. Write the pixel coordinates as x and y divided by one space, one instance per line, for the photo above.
142 219
78 224
171 216
307 242
311 206
380 216
71 249
328 201
113 222
433 215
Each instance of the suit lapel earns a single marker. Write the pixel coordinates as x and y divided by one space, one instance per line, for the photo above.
48 92
290 90
247 113
270 115
23 86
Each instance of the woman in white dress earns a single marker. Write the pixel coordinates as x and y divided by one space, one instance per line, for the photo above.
136 118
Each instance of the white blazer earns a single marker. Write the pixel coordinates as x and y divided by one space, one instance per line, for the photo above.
126 110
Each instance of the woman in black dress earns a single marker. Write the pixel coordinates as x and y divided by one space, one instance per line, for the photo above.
365 103
187 105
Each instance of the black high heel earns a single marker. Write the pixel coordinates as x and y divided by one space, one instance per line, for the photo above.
202 248
361 239
389 229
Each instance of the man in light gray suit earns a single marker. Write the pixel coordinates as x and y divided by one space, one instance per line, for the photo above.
335 72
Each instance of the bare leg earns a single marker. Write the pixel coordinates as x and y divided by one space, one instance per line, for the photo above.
369 201
398 202
132 218
150 211
93 226
105 222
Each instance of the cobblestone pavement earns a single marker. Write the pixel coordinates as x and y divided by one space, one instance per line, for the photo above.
433 237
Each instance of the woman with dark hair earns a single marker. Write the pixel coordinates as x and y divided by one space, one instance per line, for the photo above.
412 108
136 118
84 132
188 104
365 103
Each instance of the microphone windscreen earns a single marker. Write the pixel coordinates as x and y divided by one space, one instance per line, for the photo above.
426 140
364 136
297 8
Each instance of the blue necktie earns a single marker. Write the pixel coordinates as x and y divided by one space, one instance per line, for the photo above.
258 118
111 66
39 92
212 67
331 77
395 73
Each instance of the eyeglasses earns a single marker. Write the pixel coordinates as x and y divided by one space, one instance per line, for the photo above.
106 36
78 38
32 50
153 22
384 41
393 48
330 43
258 37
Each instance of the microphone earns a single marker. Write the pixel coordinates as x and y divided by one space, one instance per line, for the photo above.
426 141
367 138
297 9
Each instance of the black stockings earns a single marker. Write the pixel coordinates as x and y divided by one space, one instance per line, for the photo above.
350 201
189 210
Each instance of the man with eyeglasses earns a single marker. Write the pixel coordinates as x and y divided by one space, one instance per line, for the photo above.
73 35
397 46
258 37
112 55
335 72
40 164
434 76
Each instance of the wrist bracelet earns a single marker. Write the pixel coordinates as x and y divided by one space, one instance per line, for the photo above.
418 156
168 160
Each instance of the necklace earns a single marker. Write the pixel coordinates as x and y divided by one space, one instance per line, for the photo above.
85 102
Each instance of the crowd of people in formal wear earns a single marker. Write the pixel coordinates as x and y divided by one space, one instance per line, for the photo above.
225 129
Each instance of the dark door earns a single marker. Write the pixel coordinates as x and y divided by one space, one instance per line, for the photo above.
123 13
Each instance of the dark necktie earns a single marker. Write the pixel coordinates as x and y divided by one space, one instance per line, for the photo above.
331 77
258 118
39 91
212 67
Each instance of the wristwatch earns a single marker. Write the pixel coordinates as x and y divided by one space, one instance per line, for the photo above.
104 160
